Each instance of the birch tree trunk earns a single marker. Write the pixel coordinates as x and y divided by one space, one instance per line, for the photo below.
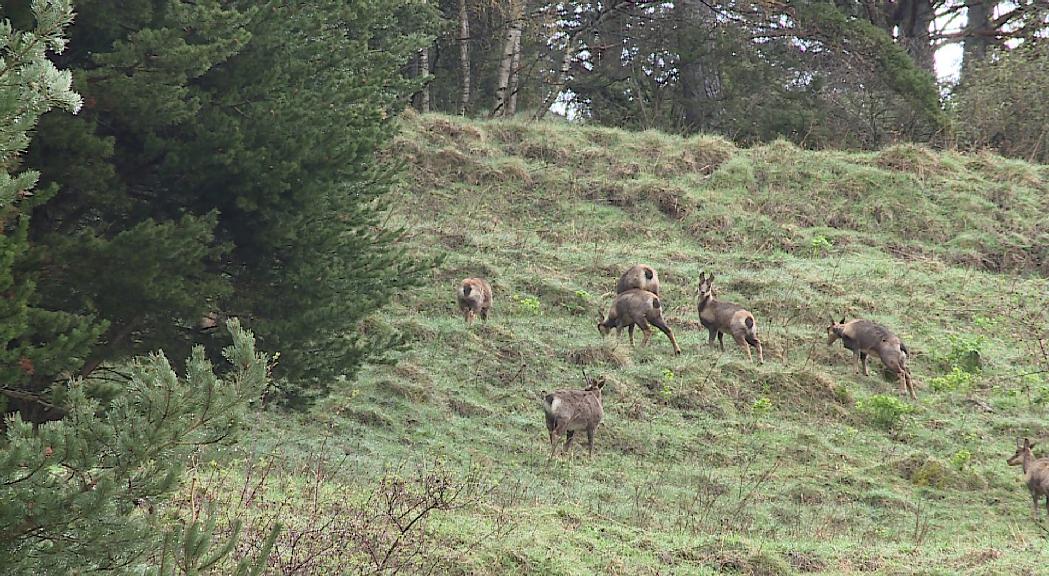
513 36
423 69
515 75
464 57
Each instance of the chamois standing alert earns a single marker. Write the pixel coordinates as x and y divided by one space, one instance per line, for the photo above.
721 317
640 276
1036 473
864 337
568 411
474 296
640 308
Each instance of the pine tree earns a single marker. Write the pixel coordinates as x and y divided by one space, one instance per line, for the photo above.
224 164
69 488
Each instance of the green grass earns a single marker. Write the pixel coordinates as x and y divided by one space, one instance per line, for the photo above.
705 463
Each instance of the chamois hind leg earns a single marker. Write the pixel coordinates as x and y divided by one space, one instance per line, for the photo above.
590 445
659 323
741 341
753 341
569 439
630 330
1034 505
863 362
553 442
643 325
721 341
484 314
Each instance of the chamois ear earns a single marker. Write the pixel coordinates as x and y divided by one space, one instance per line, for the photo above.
842 321
600 382
1031 444
1020 442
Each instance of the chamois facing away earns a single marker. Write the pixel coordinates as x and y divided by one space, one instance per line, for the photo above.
569 411
639 308
725 317
1036 473
640 276
474 296
864 337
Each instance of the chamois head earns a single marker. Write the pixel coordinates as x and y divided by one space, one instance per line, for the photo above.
834 331
706 286
1023 445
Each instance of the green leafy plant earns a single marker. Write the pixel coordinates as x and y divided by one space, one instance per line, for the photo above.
528 304
966 353
961 459
819 245
883 410
667 388
761 407
956 379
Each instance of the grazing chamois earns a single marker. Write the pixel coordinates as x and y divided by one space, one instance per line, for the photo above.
721 317
474 296
639 308
864 337
568 411
640 276
1036 473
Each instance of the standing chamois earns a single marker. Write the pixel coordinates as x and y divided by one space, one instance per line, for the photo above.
1036 473
568 411
640 276
639 308
721 317
474 296
864 337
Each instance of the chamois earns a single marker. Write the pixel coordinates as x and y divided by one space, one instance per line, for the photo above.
636 307
1036 473
721 317
568 411
474 296
640 276
864 337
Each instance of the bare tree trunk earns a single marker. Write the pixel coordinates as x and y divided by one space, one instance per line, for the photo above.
979 14
423 69
914 18
515 77
560 81
513 35
464 57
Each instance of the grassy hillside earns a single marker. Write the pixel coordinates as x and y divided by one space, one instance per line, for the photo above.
706 463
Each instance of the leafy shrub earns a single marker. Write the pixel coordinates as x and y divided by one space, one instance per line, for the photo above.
819 245
966 353
528 304
761 407
956 379
884 410
961 459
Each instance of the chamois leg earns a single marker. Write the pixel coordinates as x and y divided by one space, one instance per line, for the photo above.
1034 505
590 445
553 442
741 341
863 361
630 330
713 333
484 314
721 341
468 315
568 441
643 325
659 323
753 341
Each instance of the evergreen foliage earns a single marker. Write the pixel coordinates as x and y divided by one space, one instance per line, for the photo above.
74 493
224 164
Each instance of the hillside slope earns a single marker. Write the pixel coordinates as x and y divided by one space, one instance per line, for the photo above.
707 463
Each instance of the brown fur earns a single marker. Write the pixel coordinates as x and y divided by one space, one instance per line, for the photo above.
720 318
639 308
474 296
1036 473
640 276
864 337
568 411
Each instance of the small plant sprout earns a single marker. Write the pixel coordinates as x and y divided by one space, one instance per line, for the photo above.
667 389
819 245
